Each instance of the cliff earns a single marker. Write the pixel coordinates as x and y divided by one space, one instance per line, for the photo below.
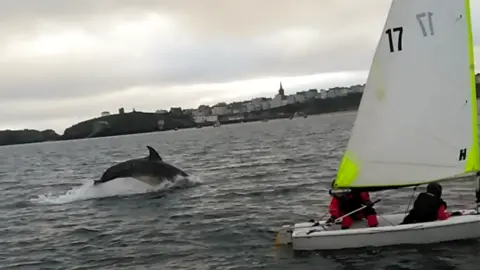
127 123
8 137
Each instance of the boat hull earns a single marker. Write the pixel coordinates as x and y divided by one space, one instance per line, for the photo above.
304 236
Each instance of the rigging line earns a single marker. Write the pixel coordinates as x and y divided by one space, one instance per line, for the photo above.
411 199
320 219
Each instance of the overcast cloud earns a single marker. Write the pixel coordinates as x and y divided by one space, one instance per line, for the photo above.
62 62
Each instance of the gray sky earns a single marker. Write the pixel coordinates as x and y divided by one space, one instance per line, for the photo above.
62 62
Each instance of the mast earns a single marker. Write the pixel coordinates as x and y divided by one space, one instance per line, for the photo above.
474 161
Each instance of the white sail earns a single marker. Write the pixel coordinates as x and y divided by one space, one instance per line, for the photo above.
417 120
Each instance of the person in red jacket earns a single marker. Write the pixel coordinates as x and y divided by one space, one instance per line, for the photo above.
429 206
344 203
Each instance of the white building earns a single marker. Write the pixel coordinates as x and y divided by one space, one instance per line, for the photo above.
300 97
312 93
257 103
239 110
266 105
205 119
357 88
291 99
331 93
342 92
277 101
250 107
202 111
219 110
323 94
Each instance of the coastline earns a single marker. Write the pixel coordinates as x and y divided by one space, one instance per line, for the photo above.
147 122
142 122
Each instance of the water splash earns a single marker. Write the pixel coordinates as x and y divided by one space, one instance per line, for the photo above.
118 187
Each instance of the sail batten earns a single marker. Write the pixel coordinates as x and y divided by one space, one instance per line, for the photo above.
417 120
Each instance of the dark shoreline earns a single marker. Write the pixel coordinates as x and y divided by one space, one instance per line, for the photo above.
141 122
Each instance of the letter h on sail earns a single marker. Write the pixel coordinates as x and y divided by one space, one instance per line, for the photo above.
463 154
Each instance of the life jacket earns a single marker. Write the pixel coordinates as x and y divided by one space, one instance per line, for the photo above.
425 208
351 202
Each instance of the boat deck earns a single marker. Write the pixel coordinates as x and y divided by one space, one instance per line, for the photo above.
385 223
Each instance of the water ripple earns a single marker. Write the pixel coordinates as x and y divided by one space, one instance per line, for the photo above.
248 180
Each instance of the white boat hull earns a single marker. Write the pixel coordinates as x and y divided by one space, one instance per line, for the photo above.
304 236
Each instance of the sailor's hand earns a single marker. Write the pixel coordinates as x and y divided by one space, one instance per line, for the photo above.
444 205
368 203
455 214
330 220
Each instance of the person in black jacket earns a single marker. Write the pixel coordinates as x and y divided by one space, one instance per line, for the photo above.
428 206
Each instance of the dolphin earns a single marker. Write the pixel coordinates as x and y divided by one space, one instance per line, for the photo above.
151 170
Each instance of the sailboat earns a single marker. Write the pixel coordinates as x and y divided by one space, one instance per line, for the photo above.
416 124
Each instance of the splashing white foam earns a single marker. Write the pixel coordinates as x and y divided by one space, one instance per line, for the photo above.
118 187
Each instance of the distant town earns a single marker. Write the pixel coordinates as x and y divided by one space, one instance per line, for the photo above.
235 111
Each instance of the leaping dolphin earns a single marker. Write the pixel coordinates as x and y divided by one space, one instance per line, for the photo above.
151 170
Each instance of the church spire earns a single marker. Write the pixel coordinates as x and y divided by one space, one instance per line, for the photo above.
281 91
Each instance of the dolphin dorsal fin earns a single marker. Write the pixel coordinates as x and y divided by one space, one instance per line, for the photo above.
152 154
